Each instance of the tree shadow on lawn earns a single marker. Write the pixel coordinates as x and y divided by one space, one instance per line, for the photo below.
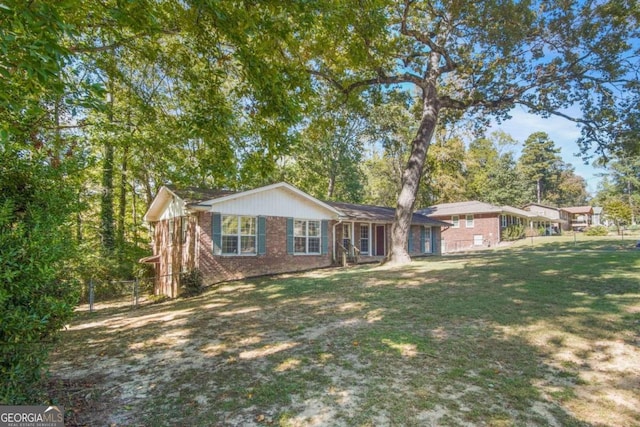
495 339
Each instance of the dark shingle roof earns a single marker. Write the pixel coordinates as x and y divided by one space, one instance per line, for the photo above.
194 195
379 213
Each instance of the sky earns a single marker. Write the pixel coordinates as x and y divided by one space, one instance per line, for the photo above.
562 132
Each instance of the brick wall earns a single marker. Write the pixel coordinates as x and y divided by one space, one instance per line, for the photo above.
462 238
197 251
276 260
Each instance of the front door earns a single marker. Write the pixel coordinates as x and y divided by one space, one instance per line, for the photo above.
380 234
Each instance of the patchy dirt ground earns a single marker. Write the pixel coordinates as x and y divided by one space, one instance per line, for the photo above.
458 342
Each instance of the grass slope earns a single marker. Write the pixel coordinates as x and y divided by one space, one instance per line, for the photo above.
508 337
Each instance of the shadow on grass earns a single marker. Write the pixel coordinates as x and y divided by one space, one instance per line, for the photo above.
500 338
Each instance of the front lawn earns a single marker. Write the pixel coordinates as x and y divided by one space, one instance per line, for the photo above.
510 337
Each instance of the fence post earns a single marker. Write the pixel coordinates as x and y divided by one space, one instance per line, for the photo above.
91 296
135 292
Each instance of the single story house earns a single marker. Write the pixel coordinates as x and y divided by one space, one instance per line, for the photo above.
268 230
478 224
559 216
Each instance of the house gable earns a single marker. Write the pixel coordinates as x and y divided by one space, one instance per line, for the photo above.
165 205
278 200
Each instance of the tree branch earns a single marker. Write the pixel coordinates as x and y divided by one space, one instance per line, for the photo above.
450 64
382 79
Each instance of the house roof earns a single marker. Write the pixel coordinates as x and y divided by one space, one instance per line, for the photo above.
579 209
476 207
195 195
354 211
460 208
205 199
541 205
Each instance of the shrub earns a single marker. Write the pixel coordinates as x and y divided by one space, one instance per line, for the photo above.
36 296
513 232
191 283
598 230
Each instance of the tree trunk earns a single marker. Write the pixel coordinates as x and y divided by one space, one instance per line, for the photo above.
106 203
122 211
539 190
332 186
107 226
630 194
411 176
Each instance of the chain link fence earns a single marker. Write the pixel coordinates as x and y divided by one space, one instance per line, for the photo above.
116 293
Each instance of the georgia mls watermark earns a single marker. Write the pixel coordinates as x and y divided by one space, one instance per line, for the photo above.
31 416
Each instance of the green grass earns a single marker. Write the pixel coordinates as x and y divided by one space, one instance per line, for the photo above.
506 337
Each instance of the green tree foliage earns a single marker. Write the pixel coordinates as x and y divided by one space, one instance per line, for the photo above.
491 175
444 180
571 189
541 165
327 160
623 183
618 212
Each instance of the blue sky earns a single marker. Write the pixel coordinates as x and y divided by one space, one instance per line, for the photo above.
561 131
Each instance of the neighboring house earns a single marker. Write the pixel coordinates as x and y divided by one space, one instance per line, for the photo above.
580 217
268 230
597 219
478 224
560 217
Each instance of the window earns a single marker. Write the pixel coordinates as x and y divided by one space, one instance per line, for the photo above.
306 236
427 240
503 218
238 235
455 219
364 239
469 221
478 239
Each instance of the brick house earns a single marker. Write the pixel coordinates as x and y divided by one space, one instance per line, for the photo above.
268 230
477 224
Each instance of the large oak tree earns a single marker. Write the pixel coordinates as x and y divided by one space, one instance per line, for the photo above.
481 59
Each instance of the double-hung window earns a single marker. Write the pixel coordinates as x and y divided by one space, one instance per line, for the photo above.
469 221
427 240
239 235
364 239
455 219
306 236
